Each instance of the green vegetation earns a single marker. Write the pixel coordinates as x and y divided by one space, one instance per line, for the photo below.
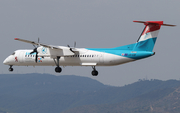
43 93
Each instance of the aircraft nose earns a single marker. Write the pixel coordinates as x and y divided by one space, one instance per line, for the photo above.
6 61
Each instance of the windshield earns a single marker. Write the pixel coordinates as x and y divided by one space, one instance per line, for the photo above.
13 53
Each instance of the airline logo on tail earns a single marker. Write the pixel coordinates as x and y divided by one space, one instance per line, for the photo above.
150 31
149 35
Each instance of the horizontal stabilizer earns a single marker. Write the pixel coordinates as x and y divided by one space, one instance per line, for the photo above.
154 22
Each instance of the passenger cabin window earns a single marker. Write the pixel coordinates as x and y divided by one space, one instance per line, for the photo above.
74 56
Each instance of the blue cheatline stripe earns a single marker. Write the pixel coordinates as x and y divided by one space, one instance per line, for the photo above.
136 51
125 53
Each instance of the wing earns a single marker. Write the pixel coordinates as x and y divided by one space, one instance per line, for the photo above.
39 44
52 51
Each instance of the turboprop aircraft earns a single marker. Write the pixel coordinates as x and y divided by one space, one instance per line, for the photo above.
50 55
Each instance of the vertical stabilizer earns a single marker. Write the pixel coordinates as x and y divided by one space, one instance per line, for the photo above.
148 36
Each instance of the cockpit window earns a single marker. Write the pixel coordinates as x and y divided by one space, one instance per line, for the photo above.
13 53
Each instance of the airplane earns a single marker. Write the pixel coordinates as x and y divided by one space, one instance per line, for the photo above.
50 55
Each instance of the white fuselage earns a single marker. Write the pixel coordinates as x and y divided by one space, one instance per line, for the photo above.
84 57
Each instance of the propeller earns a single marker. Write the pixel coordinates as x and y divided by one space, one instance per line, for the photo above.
70 48
35 51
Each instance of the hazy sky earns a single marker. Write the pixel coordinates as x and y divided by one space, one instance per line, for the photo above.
93 24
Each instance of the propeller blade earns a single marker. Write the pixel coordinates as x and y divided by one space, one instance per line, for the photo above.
72 48
74 44
34 50
36 58
34 46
